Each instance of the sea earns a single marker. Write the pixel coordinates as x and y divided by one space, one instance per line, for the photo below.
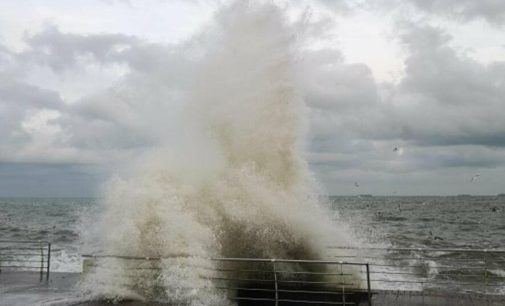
424 222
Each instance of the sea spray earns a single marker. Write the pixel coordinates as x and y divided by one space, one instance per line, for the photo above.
234 186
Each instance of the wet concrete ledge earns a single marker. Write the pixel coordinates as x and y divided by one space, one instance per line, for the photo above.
25 288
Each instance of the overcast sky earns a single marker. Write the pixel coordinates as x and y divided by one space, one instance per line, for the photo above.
79 78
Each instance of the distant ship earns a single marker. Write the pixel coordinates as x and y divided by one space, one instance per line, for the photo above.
364 196
464 195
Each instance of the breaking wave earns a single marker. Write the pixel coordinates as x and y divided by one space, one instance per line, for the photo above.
235 185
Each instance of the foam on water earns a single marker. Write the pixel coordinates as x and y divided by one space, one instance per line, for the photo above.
234 186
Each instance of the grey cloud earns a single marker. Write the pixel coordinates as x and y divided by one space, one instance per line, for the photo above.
17 101
328 83
438 161
128 115
444 98
447 112
5 56
9 63
60 51
445 103
485 139
460 98
339 6
447 157
490 10
170 64
435 69
24 95
143 109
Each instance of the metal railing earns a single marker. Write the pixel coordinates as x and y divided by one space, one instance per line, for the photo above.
309 282
348 280
253 281
431 269
25 256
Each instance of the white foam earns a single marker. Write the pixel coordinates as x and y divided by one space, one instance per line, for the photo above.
235 185
65 261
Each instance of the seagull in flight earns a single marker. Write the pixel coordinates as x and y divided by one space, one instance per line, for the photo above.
474 177
398 150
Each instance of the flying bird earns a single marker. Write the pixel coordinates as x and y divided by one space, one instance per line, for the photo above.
474 177
356 184
398 150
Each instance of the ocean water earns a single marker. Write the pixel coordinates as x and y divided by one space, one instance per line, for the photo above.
55 220
427 221
400 222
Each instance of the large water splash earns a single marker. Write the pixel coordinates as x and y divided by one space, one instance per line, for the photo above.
234 186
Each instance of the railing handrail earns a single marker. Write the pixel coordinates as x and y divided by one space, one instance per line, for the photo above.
45 262
278 282
424 268
133 257
236 259
471 269
311 261
25 241
485 250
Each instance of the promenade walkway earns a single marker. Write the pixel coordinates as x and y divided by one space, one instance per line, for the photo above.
25 288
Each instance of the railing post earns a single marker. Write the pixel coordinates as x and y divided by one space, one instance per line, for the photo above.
342 282
41 260
48 259
275 284
426 272
369 287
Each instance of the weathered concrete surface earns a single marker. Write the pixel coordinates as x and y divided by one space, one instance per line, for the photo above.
25 289
414 298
